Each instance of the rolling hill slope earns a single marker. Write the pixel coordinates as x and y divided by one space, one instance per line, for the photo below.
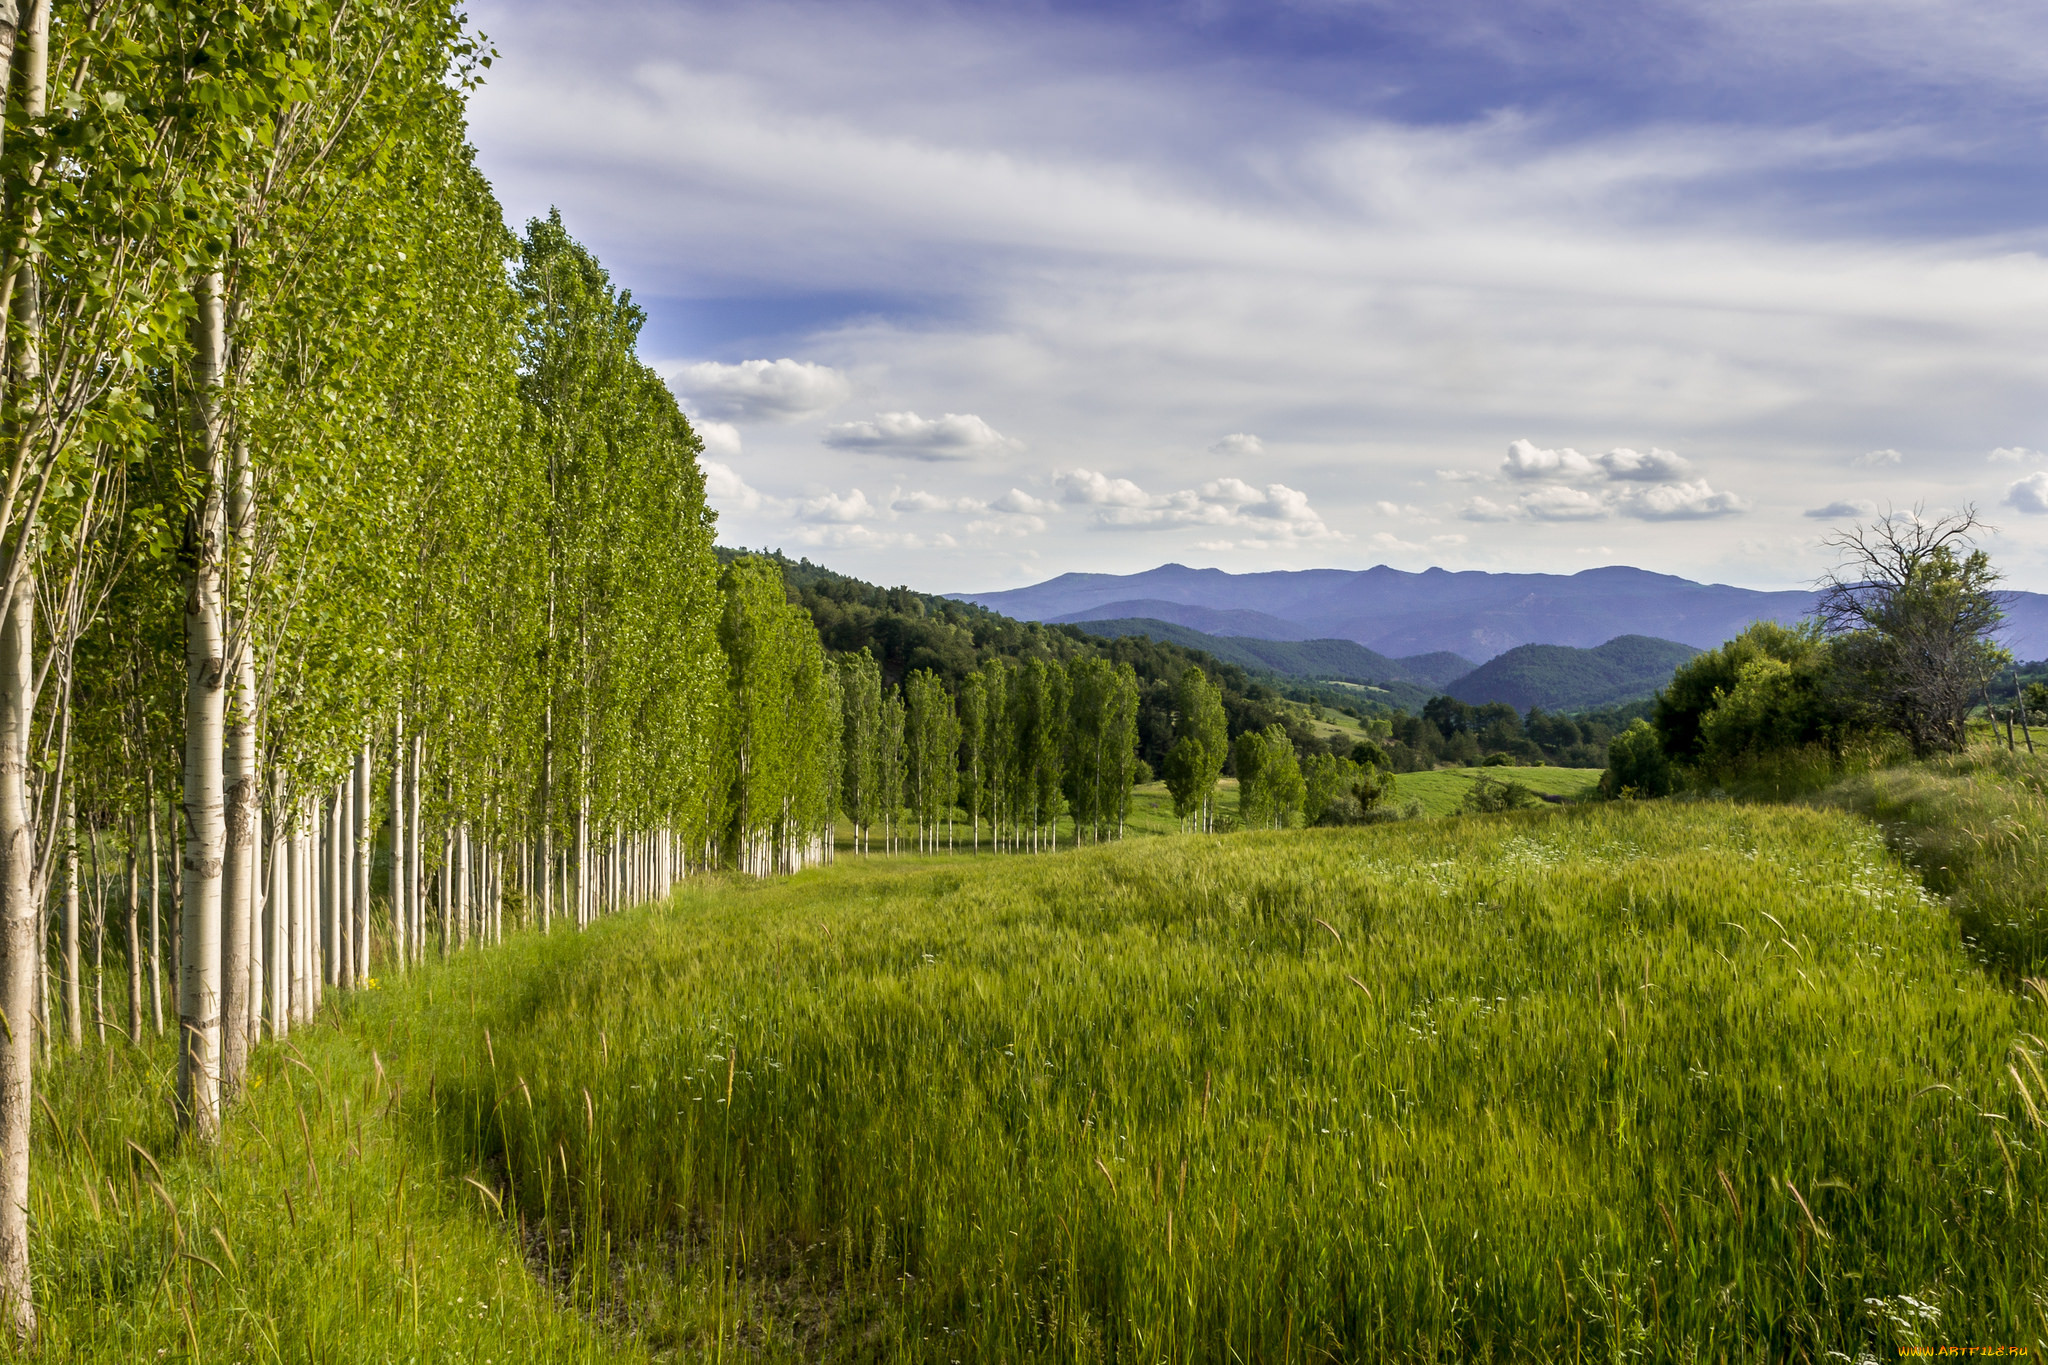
1341 659
1560 678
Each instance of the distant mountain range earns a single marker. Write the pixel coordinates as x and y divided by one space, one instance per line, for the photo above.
1473 614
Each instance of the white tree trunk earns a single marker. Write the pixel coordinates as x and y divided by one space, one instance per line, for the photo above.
240 875
74 1020
364 834
156 919
21 951
414 873
199 989
583 864
464 898
277 920
401 893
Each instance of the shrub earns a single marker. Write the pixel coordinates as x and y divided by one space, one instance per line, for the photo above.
1491 794
1637 764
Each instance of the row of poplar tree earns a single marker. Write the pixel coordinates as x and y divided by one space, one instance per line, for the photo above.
345 542
342 533
1018 747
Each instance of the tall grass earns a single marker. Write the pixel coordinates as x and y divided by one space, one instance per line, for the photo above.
324 1230
1692 1082
1976 826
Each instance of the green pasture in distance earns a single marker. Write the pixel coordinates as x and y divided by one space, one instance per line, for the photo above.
1442 790
1622 1081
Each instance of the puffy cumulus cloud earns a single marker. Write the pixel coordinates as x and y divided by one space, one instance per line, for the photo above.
1686 500
2029 495
727 491
2013 455
1486 509
1635 466
720 438
1018 502
848 508
1841 507
1089 488
1527 460
761 390
1273 514
1878 459
917 500
953 436
1238 444
1691 500
1564 504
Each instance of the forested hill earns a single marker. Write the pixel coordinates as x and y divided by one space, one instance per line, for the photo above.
908 630
1409 682
1561 678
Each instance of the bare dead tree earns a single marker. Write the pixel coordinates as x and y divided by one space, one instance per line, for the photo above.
1910 609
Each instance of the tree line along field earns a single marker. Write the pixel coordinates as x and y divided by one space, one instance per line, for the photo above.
1631 1080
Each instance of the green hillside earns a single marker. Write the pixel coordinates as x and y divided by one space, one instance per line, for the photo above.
1416 678
1562 678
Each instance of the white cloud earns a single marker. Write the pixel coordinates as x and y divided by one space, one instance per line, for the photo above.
1878 459
1089 488
1656 466
1485 509
1527 461
727 491
920 501
829 506
2029 495
1692 500
1238 444
720 438
758 390
1842 507
2014 455
1564 504
953 436
1019 502
1275 513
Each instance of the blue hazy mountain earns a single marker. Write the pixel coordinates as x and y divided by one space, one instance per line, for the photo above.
1473 614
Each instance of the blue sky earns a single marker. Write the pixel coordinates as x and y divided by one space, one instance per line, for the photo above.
967 295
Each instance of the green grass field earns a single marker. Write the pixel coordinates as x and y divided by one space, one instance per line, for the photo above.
1643 1081
1442 790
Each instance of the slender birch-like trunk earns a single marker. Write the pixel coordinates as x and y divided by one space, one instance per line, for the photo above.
465 903
21 951
199 989
362 834
99 941
414 871
74 1017
156 912
239 874
277 921
330 897
401 893
134 935
583 863
447 885
338 845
